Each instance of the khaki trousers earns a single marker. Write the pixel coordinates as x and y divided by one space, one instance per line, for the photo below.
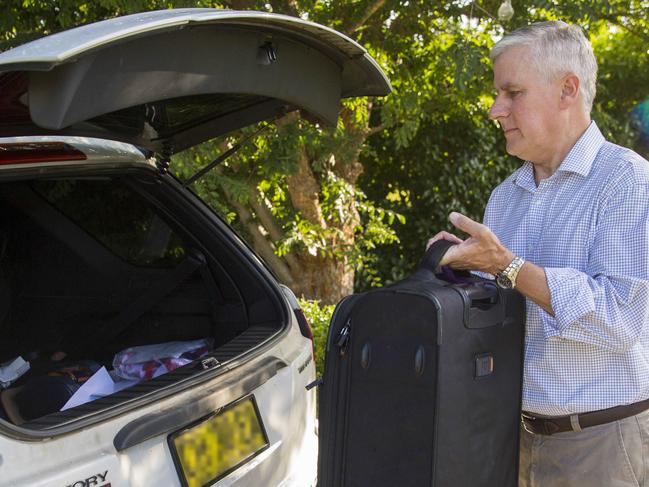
610 455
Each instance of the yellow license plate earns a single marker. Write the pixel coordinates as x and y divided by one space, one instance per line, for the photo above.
219 444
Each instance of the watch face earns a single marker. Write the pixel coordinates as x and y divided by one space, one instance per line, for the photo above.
503 281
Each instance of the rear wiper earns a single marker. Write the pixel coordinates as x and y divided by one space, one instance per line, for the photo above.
224 156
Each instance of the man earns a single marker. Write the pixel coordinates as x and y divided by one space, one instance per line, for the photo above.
569 229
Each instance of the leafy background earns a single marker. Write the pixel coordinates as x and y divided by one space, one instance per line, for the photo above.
336 210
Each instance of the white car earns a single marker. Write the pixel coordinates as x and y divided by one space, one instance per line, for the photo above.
142 343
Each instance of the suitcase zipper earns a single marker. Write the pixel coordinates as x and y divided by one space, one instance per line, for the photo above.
341 342
343 337
334 476
336 375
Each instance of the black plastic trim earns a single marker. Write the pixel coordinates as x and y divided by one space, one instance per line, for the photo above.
170 420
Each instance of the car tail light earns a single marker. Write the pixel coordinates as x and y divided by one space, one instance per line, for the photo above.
305 328
30 152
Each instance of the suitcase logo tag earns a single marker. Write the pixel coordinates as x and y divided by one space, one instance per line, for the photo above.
484 365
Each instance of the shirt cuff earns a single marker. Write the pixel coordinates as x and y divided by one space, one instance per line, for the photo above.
571 298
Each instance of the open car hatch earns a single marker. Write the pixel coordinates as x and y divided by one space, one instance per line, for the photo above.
168 80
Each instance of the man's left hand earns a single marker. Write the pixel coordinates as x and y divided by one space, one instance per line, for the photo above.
482 251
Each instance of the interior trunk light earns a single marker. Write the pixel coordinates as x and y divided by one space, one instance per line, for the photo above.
30 152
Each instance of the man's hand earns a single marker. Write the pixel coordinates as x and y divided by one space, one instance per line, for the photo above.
482 251
444 236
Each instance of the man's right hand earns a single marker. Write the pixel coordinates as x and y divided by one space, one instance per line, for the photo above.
444 236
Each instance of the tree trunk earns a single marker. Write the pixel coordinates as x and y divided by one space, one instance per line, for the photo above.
325 279
326 275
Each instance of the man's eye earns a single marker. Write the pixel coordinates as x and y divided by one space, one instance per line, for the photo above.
514 93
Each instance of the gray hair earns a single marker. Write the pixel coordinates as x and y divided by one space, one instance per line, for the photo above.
556 49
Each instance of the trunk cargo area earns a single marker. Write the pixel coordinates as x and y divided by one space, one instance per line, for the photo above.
92 266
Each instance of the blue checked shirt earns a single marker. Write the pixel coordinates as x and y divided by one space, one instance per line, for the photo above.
588 226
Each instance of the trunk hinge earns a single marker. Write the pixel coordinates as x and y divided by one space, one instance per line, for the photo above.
164 157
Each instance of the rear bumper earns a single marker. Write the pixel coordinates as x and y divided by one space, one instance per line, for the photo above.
288 413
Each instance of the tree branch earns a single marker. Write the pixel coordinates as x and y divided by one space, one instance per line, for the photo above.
266 219
615 19
350 168
261 244
240 4
375 130
369 11
291 8
282 266
287 119
304 190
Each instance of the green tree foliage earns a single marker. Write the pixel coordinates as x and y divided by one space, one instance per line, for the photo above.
456 155
318 316
325 207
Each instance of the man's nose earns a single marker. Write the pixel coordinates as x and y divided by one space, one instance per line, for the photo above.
498 109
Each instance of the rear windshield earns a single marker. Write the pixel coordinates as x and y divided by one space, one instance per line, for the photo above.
169 117
118 217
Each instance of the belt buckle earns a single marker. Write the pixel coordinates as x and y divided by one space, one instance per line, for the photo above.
524 419
542 426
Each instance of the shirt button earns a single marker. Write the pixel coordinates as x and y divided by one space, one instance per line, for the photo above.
530 248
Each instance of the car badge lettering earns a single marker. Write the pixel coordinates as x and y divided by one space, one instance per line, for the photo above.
301 368
96 480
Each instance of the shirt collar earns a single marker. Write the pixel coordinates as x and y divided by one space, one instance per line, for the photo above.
579 160
582 155
525 177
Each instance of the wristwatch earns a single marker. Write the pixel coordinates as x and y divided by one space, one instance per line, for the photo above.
507 278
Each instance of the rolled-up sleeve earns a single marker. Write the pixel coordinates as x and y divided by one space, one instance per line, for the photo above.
607 305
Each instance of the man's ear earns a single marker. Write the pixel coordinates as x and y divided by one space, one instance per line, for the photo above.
569 90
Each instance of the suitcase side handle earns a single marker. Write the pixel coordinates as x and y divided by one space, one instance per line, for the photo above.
482 295
484 304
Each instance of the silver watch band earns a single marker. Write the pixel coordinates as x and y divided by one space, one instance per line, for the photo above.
512 270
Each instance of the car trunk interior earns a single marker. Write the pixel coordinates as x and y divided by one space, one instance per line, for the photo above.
92 266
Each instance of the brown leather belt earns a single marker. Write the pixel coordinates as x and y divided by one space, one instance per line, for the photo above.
576 422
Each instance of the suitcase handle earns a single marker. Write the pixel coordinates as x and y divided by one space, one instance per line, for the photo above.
482 295
433 256
484 305
428 266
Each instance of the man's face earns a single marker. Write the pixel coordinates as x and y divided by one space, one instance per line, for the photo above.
526 107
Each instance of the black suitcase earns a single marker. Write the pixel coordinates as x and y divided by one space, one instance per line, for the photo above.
422 385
